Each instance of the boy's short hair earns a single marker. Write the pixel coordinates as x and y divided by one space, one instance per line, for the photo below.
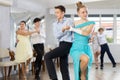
61 7
36 20
23 22
100 29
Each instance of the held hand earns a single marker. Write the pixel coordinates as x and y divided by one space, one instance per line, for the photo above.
90 40
17 40
65 28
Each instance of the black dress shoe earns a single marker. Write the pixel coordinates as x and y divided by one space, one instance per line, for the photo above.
101 68
37 77
114 65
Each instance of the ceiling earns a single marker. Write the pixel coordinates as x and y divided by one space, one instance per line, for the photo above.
20 8
42 5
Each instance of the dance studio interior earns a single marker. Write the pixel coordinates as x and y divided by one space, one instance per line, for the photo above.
40 40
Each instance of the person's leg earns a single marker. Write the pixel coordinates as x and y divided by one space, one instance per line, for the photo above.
84 59
102 56
39 50
96 60
110 56
64 67
23 71
97 55
57 52
27 65
28 62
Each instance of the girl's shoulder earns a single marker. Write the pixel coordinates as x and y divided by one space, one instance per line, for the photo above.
77 22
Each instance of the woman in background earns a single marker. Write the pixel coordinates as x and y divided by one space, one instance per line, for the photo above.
23 49
96 48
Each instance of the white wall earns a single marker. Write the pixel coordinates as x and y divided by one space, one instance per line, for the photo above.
4 27
50 39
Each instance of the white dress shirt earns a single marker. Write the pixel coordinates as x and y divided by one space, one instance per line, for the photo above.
66 36
37 38
102 38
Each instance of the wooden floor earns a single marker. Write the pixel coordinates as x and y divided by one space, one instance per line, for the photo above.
108 73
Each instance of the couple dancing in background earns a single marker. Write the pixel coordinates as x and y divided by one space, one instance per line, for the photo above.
23 48
77 46
24 51
100 46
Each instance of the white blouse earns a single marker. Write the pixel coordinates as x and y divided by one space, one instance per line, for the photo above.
38 37
102 38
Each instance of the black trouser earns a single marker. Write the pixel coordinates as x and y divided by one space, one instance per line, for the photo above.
105 48
39 48
62 52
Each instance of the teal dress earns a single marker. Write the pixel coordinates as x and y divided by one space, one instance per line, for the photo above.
79 47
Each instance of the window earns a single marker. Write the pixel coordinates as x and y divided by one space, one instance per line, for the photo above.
107 24
76 18
67 15
118 29
95 18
